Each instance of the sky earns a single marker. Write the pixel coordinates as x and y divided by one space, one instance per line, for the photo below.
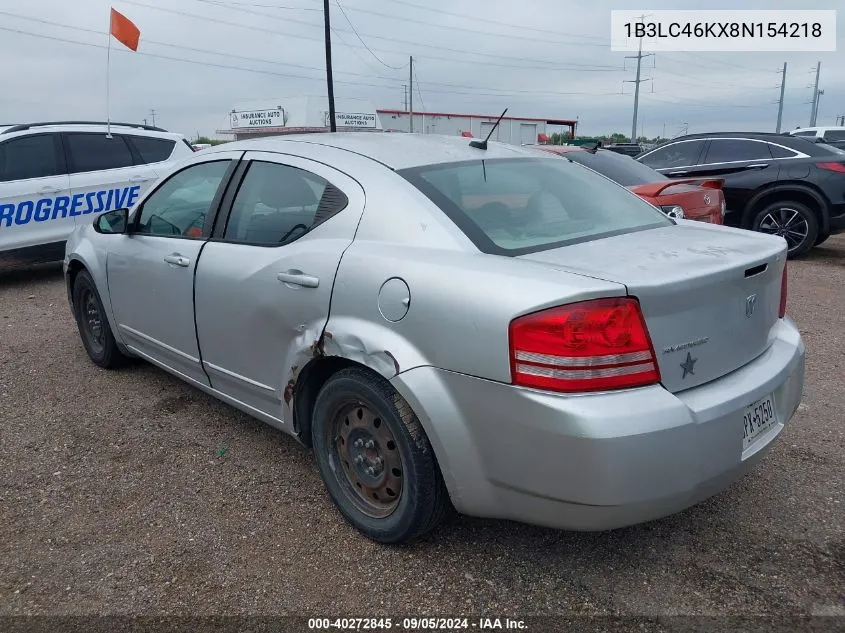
543 58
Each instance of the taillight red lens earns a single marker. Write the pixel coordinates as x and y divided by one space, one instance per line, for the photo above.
783 292
587 346
840 167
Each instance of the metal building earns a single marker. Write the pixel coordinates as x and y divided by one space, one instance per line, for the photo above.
512 129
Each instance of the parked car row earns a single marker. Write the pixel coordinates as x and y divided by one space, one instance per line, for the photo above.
780 184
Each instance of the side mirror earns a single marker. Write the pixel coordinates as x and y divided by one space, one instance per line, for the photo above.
112 223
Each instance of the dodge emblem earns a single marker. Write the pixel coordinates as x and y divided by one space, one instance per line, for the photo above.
706 199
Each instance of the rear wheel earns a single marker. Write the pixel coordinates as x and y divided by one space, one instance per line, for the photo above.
793 221
821 238
375 458
93 324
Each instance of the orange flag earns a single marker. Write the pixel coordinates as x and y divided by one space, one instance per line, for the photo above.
124 30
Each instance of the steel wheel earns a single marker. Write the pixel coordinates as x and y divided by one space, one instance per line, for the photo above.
788 223
364 449
92 321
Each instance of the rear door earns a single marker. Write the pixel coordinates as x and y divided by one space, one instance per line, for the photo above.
264 281
33 192
745 164
104 174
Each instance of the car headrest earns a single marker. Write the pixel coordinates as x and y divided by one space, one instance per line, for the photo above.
286 188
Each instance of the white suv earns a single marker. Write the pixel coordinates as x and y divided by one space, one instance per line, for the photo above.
57 175
832 135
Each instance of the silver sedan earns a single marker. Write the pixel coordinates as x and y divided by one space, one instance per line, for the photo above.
490 329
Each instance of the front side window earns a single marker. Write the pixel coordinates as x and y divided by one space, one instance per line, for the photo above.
180 207
680 154
834 135
29 157
517 206
731 150
276 204
96 152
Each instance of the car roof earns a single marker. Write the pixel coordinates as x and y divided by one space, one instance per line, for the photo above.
823 128
396 151
86 126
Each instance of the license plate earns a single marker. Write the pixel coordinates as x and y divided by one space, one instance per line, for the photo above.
758 418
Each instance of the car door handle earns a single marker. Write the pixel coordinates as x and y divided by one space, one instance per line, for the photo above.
49 189
677 173
298 278
177 260
139 179
757 166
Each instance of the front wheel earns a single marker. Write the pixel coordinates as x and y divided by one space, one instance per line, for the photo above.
93 323
793 221
375 459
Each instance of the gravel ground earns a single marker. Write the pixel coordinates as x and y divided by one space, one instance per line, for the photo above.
129 492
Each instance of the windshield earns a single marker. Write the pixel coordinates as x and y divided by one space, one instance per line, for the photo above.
525 205
618 167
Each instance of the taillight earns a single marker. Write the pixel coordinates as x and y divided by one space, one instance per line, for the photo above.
587 346
840 167
783 292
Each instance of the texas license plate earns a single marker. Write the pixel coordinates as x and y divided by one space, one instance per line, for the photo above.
758 418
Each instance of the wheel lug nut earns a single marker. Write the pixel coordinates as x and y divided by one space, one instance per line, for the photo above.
359 460
359 443
370 444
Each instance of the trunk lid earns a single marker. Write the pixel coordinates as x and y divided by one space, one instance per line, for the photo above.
710 295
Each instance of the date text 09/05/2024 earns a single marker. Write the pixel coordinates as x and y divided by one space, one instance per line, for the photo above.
45 209
724 29
417 624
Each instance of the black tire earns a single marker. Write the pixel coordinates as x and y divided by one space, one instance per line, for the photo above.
93 324
822 238
793 221
422 498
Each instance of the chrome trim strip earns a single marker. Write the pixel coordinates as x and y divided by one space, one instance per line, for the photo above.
583 374
158 343
586 361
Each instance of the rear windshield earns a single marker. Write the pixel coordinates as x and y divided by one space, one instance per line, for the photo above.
618 167
525 205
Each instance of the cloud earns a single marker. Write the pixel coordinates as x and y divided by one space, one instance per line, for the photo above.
198 58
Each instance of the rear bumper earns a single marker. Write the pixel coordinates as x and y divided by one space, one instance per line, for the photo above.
599 461
836 222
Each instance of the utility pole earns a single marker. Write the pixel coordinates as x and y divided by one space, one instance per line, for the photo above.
405 96
639 57
329 81
664 130
815 96
410 92
153 117
816 111
780 101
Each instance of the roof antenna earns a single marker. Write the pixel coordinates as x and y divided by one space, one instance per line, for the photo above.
483 144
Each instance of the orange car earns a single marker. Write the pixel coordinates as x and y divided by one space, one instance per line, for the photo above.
692 198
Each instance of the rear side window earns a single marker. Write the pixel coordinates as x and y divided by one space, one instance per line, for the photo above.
518 206
778 151
29 157
95 152
277 204
152 150
810 133
731 150
834 135
618 167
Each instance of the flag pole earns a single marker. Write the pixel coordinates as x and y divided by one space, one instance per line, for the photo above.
108 66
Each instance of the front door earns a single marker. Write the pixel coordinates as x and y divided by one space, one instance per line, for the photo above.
34 194
151 269
263 288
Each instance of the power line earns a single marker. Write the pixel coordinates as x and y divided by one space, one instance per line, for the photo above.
476 92
364 44
379 37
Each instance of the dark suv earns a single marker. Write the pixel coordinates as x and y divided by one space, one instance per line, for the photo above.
774 183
